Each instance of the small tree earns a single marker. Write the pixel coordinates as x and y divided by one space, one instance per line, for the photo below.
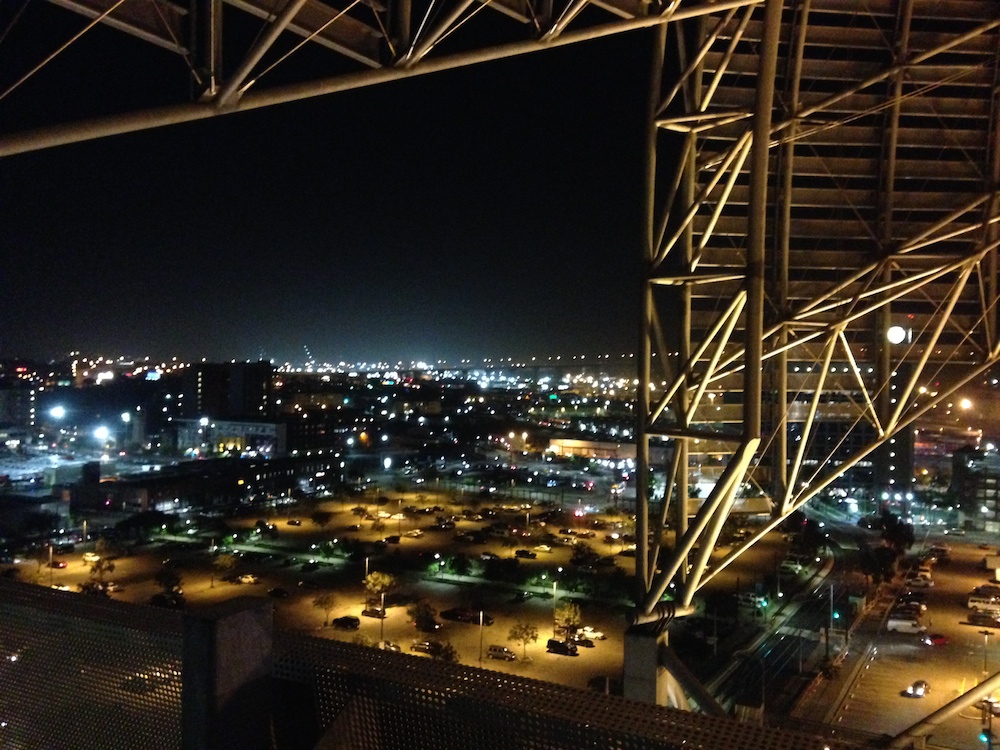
326 602
377 584
446 653
169 580
223 565
568 616
103 565
363 640
423 616
321 518
523 633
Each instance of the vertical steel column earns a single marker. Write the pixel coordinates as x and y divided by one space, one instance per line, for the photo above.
206 44
400 25
779 365
993 204
883 318
645 325
757 224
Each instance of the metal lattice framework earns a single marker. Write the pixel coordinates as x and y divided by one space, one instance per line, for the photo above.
820 171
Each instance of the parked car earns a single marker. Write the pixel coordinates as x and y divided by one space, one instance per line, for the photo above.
466 615
555 646
294 522
527 554
934 639
918 689
390 646
426 647
278 593
987 619
347 622
373 612
500 652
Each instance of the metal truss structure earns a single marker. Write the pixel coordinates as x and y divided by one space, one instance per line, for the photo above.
820 172
822 239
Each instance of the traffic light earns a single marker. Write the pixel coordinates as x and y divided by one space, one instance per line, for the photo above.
836 615
984 736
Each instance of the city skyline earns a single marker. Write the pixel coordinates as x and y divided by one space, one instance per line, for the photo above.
490 209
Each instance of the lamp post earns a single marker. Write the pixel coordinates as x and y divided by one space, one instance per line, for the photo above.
555 596
381 619
480 637
986 642
50 564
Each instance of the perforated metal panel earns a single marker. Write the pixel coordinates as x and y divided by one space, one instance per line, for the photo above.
365 698
79 672
86 673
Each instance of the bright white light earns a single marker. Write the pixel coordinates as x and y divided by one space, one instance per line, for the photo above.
126 417
203 421
965 403
102 433
386 463
57 412
896 334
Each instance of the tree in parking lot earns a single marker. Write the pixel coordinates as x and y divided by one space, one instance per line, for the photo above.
363 640
168 579
326 602
103 565
378 583
321 518
523 633
423 616
460 565
223 565
568 616
446 653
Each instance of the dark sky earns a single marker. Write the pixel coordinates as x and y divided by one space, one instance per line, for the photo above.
492 211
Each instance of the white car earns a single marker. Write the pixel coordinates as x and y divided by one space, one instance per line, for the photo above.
543 548
918 583
595 635
91 557
249 579
414 534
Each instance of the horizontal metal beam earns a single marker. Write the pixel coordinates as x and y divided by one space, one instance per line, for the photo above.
61 135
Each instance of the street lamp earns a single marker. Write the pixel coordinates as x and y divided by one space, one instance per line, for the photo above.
555 596
381 619
986 642
480 637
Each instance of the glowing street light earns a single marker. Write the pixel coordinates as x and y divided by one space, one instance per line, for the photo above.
57 412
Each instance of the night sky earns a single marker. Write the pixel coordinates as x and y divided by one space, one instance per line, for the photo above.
492 211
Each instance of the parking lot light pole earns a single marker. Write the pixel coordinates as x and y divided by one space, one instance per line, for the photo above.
480 637
555 596
986 642
381 620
